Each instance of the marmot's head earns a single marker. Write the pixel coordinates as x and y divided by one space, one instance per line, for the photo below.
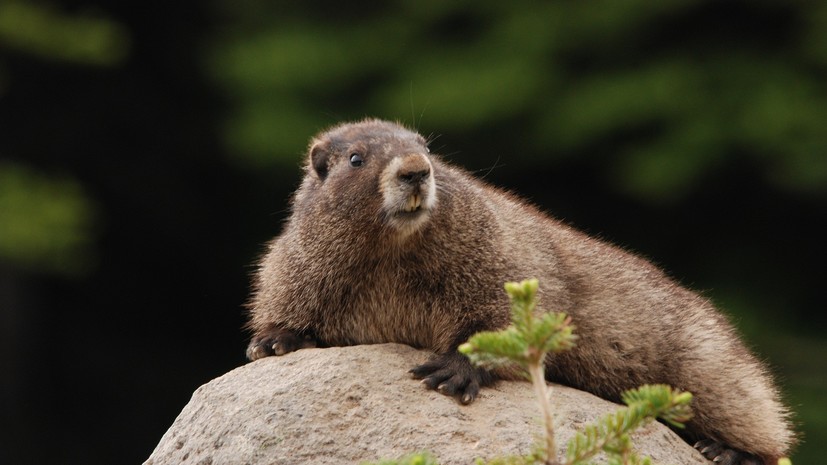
371 172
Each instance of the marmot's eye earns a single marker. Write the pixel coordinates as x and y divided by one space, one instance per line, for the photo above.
356 160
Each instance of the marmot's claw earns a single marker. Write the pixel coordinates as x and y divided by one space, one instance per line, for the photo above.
277 342
257 350
723 455
453 375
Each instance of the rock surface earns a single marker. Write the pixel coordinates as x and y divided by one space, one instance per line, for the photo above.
350 404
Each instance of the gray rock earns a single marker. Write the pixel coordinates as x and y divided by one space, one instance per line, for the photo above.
351 404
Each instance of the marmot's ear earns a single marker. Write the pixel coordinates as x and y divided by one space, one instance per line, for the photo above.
319 156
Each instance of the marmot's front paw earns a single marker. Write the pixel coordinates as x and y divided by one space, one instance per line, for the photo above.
721 454
453 374
277 342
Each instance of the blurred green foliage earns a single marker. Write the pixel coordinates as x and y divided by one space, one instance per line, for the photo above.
46 222
674 105
41 30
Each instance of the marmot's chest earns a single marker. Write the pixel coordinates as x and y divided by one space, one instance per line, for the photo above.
390 307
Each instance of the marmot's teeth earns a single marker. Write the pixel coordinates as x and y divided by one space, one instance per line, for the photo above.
413 203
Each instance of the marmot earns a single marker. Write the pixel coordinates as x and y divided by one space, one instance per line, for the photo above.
388 243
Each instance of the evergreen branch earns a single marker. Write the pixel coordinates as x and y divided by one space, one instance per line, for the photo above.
611 433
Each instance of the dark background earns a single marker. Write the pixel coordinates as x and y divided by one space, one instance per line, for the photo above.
148 149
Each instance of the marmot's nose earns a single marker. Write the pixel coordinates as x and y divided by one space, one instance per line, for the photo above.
415 169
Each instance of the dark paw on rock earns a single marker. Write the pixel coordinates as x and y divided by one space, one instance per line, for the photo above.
277 342
721 454
453 374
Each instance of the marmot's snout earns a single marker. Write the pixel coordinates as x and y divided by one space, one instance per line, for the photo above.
415 172
409 191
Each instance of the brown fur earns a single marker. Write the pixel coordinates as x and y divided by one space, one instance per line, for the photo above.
347 269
